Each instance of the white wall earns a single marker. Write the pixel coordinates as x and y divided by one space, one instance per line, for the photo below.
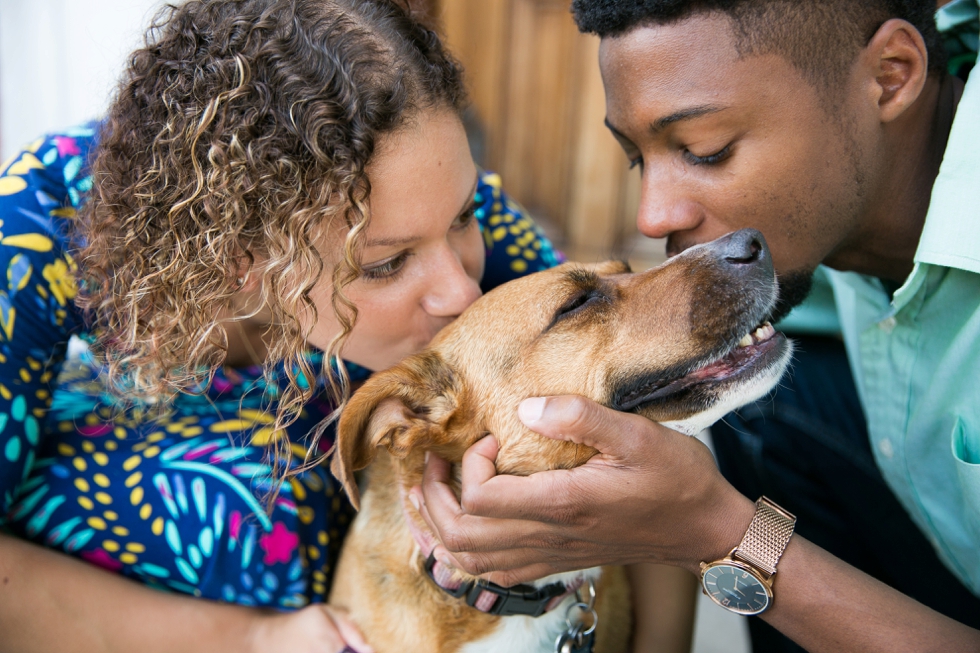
60 59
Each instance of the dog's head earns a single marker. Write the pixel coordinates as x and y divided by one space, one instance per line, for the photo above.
682 344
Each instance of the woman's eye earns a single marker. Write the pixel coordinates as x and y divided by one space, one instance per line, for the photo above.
466 218
710 159
386 269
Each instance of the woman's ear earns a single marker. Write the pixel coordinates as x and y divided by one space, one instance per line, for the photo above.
400 409
897 58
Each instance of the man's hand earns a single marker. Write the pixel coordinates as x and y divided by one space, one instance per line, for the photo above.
650 495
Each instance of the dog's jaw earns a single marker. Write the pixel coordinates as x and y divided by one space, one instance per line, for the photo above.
739 394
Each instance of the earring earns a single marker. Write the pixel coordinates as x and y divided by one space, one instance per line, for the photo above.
240 281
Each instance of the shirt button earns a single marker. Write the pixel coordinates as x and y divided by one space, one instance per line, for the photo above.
885 447
888 324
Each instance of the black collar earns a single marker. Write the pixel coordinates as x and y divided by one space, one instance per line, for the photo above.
518 600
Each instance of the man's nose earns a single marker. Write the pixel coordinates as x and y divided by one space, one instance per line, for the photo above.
451 289
665 208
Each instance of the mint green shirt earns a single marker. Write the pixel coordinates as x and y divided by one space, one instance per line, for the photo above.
916 358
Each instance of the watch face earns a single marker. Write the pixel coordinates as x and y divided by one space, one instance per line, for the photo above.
735 589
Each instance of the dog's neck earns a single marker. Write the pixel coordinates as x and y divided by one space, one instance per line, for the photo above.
484 596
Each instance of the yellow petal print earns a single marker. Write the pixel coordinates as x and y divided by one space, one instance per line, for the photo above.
231 425
7 318
264 436
259 416
11 185
3 167
18 272
61 283
37 242
27 163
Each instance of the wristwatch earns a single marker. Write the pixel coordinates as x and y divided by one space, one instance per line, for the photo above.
742 580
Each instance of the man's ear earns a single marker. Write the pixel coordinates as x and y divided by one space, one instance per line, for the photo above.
400 409
899 62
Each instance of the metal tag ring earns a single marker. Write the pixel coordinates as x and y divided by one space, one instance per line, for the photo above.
585 609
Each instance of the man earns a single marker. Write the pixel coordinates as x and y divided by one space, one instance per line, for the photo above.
829 126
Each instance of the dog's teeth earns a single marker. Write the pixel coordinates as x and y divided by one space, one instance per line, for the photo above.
746 340
763 333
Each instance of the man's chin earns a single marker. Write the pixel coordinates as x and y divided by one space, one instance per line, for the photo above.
794 287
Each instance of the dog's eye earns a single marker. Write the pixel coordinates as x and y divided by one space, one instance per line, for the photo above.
579 302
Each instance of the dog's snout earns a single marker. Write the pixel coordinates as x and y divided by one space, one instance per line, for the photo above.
745 247
743 252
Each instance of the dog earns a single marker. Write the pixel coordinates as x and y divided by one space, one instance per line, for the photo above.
682 344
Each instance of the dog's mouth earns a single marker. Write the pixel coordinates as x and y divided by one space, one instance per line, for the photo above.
754 351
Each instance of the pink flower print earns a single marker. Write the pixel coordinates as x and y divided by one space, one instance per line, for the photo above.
279 544
95 431
66 146
100 558
235 526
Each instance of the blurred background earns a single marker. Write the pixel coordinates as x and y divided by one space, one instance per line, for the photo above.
536 113
536 117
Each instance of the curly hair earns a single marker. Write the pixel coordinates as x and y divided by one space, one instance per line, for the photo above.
238 137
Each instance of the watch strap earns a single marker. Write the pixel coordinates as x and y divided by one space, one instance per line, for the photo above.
767 536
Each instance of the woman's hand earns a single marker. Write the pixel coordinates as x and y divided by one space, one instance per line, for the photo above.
314 629
650 495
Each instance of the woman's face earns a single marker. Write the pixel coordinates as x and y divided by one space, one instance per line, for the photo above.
422 253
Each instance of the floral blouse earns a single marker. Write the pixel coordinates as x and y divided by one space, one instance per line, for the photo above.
179 503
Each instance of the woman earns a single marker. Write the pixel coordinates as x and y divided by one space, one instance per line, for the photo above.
278 184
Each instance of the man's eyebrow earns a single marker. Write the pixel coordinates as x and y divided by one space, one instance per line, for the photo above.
660 123
396 242
618 134
684 114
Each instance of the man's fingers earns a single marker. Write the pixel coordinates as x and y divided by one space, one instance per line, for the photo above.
437 470
581 420
514 565
478 468
461 532
523 574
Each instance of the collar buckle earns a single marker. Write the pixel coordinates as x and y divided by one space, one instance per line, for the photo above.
518 600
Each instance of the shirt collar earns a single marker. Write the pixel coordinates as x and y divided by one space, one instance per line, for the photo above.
951 234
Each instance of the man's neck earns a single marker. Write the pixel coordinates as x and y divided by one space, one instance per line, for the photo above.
896 209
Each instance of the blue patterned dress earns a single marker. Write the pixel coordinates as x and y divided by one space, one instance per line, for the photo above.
177 503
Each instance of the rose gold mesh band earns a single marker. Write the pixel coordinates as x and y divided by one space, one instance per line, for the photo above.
766 537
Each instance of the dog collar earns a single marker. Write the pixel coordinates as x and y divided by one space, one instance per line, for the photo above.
482 594
496 599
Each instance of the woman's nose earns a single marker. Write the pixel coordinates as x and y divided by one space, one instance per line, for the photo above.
451 289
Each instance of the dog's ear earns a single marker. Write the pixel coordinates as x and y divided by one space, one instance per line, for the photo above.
401 408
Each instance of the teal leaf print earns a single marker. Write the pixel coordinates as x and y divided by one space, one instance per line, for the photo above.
62 530
12 451
173 537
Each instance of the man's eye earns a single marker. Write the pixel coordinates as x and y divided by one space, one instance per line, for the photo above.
710 159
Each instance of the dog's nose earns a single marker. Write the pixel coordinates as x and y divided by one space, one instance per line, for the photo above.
744 250
744 247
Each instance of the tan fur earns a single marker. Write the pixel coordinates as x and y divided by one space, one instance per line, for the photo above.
508 346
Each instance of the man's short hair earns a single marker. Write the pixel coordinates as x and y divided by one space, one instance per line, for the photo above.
820 38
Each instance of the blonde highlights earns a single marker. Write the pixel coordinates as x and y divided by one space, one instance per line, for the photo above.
240 136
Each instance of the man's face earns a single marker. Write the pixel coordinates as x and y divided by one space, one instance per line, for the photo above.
726 143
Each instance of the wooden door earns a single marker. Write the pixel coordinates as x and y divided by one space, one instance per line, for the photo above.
537 93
